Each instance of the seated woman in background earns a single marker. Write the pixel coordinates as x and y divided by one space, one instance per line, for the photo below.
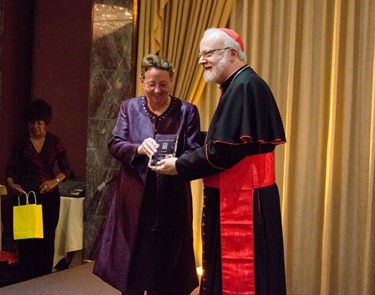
31 168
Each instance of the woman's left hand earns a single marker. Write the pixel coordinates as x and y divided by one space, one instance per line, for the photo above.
48 185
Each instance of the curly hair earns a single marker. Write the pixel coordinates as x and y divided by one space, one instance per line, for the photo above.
153 61
37 110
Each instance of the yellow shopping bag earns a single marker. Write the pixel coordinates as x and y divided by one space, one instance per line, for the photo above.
27 219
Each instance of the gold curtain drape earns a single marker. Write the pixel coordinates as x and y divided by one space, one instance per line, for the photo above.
319 59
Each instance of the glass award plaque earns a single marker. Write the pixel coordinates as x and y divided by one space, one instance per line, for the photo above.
167 146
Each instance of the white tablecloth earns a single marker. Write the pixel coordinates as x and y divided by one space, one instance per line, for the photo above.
69 230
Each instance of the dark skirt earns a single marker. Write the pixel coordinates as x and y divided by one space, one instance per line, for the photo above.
163 258
36 255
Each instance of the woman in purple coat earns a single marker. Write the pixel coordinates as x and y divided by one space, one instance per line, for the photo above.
147 243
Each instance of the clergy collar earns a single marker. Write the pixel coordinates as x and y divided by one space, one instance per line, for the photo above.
224 86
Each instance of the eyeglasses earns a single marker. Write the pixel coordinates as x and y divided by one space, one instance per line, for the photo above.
153 85
209 53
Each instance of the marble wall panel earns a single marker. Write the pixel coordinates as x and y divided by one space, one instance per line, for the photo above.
112 80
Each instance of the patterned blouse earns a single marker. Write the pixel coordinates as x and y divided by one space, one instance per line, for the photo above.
30 169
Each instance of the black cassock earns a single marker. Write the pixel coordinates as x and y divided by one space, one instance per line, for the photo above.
246 126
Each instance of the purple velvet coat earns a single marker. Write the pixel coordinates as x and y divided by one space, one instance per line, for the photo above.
147 243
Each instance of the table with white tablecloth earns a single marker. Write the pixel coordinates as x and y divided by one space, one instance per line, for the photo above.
69 230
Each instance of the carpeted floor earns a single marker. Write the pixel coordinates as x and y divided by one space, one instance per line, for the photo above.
77 280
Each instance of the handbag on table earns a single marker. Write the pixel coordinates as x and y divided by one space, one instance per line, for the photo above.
27 219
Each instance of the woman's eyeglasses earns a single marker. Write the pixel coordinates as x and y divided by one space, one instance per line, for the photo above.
153 85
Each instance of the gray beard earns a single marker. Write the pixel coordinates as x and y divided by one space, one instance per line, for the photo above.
213 75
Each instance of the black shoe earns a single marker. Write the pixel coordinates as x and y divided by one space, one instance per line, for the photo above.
61 265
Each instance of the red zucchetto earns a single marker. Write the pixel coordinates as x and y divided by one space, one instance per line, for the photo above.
234 36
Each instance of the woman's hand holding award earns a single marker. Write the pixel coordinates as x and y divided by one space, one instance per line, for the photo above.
167 147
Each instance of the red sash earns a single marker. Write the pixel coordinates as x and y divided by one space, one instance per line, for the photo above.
236 220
